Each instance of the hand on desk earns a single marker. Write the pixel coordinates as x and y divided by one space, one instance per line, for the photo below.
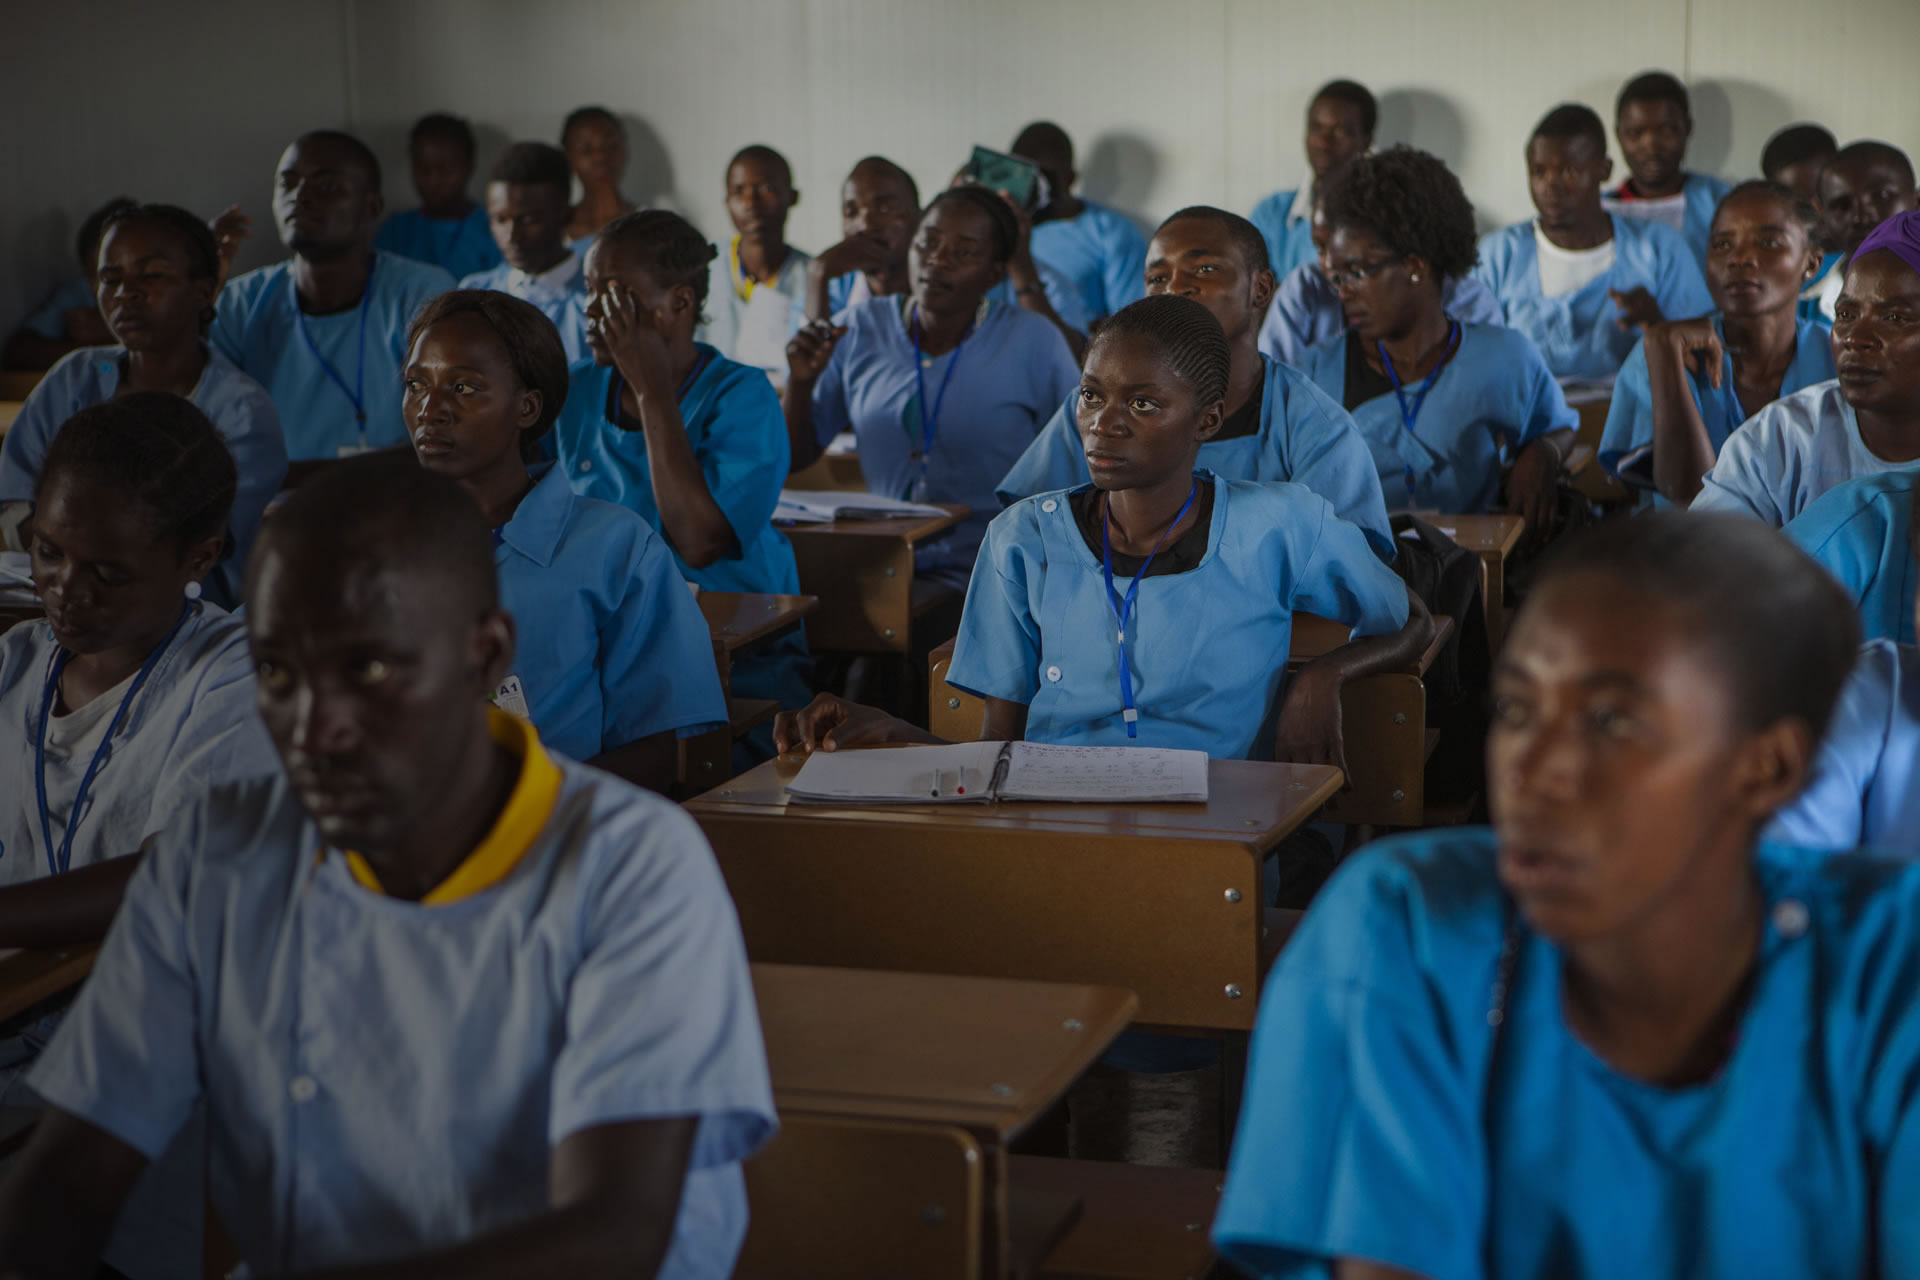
1311 727
829 723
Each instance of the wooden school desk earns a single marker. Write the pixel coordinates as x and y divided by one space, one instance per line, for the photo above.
862 572
1385 719
837 472
737 622
898 1094
28 977
1492 538
1162 899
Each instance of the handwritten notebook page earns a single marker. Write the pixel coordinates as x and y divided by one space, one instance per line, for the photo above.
1104 774
905 776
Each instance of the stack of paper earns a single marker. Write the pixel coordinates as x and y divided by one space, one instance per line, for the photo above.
975 771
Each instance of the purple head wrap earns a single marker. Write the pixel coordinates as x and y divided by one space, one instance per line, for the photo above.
1898 235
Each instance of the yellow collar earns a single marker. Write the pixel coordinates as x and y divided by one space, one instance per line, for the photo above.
519 825
742 284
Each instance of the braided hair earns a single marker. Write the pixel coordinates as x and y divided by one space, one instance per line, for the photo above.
667 245
1191 340
159 451
532 345
1410 202
1000 218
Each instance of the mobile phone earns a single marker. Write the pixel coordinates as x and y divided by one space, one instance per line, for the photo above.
998 171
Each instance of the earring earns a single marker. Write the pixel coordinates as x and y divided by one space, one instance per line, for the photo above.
193 591
1415 277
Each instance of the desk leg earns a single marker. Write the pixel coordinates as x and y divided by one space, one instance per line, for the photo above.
1493 594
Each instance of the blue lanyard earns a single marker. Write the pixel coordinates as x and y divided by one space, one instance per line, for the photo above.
357 394
1123 611
1408 417
619 389
930 423
58 864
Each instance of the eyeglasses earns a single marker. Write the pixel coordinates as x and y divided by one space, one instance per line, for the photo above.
1356 272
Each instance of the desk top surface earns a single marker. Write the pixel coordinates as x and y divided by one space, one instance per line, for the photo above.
1487 535
908 528
737 619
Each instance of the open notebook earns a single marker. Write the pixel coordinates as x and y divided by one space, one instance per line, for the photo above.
979 771
810 506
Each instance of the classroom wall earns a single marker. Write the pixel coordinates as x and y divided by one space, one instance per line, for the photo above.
1170 103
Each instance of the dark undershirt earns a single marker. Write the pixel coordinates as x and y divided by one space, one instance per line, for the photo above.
1246 420
1177 557
1364 382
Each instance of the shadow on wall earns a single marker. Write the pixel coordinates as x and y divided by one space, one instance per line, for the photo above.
650 178
1120 171
1759 108
1424 120
40 257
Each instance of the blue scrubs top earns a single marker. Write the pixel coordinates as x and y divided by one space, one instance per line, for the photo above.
459 246
1306 311
1790 453
1865 791
1208 647
1305 437
1861 532
49 319
1386 1119
1000 386
739 438
1062 295
612 647
1495 397
238 407
360 353
563 301
1101 253
1576 331
1627 443
1289 239
1701 195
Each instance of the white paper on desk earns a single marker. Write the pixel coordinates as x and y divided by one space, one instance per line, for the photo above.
843 445
905 776
1121 775
1581 391
804 506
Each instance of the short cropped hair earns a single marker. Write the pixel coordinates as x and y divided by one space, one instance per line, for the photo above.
1247 240
533 164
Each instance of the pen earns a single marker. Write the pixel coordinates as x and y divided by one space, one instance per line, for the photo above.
936 784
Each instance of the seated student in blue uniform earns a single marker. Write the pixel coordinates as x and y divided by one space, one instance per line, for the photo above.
596 145
1864 422
490 1004
1099 251
70 317
879 208
1447 409
1652 120
1620 1032
1866 784
1340 124
757 289
1690 383
528 194
1306 309
325 331
448 230
1278 425
672 429
613 663
1863 185
1034 285
158 270
943 388
1578 280
1218 568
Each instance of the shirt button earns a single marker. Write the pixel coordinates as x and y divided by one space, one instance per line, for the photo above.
1790 917
303 1089
1053 673
586 466
1050 506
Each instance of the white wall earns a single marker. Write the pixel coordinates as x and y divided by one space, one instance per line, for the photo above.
1197 101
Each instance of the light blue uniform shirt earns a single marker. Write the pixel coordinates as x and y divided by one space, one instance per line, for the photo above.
1627 443
560 293
1013 369
1385 1119
1289 239
1061 293
1865 791
193 724
612 647
739 438
1700 194
726 310
1305 437
459 246
1788 454
1102 255
1576 332
1208 647
1306 311
383 1078
49 320
1861 532
238 407
258 326
1495 397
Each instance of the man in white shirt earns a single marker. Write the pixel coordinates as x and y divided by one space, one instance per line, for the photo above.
528 201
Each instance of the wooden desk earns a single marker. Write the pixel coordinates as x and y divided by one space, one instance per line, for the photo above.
28 977
737 622
1385 717
862 572
1162 899
1588 476
898 1094
9 410
832 472
1493 539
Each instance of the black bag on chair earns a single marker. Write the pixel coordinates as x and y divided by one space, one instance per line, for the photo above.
1446 577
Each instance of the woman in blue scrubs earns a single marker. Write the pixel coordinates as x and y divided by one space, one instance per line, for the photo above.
1446 407
1616 1034
613 663
1217 569
1690 383
942 387
1861 532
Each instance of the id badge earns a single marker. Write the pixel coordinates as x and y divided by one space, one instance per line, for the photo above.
511 697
